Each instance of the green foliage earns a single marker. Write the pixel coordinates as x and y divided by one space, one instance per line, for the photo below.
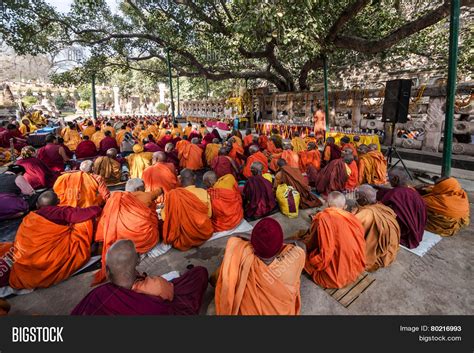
29 92
162 107
84 105
85 92
59 101
29 101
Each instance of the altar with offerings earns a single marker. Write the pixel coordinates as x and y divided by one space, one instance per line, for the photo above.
285 130
365 139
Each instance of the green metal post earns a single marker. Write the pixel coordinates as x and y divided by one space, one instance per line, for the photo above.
451 89
207 89
171 84
326 95
94 101
177 88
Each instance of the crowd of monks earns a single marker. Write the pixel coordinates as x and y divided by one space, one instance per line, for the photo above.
185 183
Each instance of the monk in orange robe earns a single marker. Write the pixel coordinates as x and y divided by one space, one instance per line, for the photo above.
351 169
128 215
138 161
236 151
51 243
161 175
108 127
108 167
226 201
298 143
382 231
447 206
372 166
271 147
336 245
121 134
346 143
81 188
290 156
255 156
180 144
188 129
212 150
191 155
248 139
260 276
89 130
263 141
310 158
187 214
97 137
71 136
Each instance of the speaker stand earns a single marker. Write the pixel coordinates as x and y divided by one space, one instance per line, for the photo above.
390 152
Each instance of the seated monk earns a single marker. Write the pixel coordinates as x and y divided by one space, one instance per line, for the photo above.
382 232
108 167
150 146
89 130
81 188
346 143
138 161
258 197
236 151
53 155
37 173
128 215
408 205
290 156
331 151
130 293
248 139
372 166
71 136
226 201
191 155
161 175
447 205
335 246
52 243
262 141
212 150
85 149
339 175
310 138
223 164
180 144
255 156
310 160
187 214
298 143
292 177
260 276
351 169
97 137
107 143
172 155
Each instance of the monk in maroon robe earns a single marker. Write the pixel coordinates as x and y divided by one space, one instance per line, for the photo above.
53 155
223 164
86 148
259 200
332 177
106 143
37 173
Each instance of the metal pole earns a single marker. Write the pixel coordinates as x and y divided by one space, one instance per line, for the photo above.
94 102
171 84
326 96
207 89
451 89
177 88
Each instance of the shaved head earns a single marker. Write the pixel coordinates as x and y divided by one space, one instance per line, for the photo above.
195 141
253 149
215 140
256 168
223 151
111 153
366 195
330 140
47 198
86 166
187 177
373 147
159 156
135 184
209 179
120 263
398 176
281 163
363 149
311 146
169 147
336 199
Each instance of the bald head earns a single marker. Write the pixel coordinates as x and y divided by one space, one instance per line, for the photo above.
209 179
195 141
311 146
159 156
135 184
253 149
169 147
223 151
373 147
330 140
281 163
256 168
111 153
366 195
215 140
398 176
336 199
120 263
86 166
363 149
47 198
187 177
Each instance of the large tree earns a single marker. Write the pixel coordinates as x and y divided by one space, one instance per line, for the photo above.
277 41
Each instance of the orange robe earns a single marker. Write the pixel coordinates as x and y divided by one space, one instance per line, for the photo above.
89 131
126 217
350 146
372 168
79 189
298 144
227 210
71 138
187 130
212 150
120 136
309 159
247 286
353 177
111 129
180 146
336 248
256 157
187 223
271 148
235 152
447 206
191 157
292 159
160 175
138 162
47 253
248 140
97 137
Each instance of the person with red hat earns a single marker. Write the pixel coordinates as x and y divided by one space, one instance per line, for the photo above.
260 276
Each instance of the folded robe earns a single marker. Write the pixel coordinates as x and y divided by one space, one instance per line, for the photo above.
126 217
160 175
191 157
259 199
186 223
247 286
336 248
332 177
382 235
293 177
46 253
212 149
448 208
109 299
227 210
411 214
37 173
79 189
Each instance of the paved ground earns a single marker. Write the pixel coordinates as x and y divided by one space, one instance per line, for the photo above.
441 282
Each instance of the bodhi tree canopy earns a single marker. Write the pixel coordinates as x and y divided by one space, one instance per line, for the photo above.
280 42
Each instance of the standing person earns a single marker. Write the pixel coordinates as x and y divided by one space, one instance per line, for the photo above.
319 119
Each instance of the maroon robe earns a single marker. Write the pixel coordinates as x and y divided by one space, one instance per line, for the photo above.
172 157
86 149
110 299
162 143
65 215
259 199
107 143
152 147
5 137
49 154
222 165
332 177
37 173
411 213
